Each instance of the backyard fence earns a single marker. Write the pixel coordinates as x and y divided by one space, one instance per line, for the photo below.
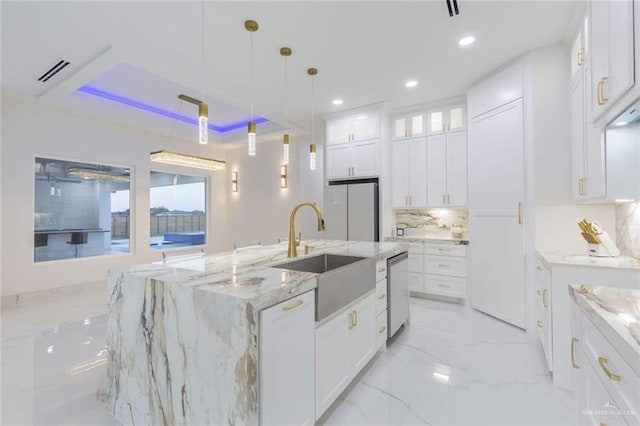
160 224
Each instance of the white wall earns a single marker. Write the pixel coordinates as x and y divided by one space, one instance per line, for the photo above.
260 210
556 215
30 130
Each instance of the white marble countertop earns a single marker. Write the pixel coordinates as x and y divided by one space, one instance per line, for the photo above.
575 259
430 239
247 273
616 313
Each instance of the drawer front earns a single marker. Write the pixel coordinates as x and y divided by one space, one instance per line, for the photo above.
445 250
597 399
416 248
381 329
381 296
446 286
543 331
451 266
416 263
381 270
617 376
416 282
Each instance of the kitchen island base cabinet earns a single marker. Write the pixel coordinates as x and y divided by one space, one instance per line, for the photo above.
344 345
287 362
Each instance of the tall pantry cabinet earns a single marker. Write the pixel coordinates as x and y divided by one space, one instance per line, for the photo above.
497 195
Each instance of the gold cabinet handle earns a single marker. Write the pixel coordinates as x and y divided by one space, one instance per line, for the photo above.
351 320
539 323
292 306
543 294
603 363
444 199
520 213
381 269
382 329
448 199
605 98
573 351
539 268
599 92
382 296
580 186
410 200
355 315
444 285
440 265
581 56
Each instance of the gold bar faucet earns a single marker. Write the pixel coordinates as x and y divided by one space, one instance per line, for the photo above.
293 244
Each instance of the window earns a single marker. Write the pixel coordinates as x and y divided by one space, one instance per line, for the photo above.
178 212
79 210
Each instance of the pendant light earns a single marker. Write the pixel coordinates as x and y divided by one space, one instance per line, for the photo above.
286 52
252 27
312 148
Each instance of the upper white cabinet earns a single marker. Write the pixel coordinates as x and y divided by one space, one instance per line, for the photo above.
499 89
408 126
610 35
449 119
353 146
447 170
587 140
287 362
353 128
409 172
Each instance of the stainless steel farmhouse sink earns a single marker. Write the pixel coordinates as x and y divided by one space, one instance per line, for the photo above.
341 279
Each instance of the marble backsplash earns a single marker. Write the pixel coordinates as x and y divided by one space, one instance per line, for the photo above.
431 223
628 228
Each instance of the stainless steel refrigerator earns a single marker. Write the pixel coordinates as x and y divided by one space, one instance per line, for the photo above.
351 210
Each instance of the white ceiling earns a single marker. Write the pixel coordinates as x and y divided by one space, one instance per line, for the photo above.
365 51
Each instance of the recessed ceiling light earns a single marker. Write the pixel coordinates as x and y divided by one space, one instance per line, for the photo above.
465 41
411 83
621 123
337 102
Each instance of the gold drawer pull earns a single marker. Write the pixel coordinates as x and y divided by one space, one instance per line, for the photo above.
539 268
573 351
543 294
444 285
292 306
381 269
382 296
351 324
603 361
440 265
382 329
539 324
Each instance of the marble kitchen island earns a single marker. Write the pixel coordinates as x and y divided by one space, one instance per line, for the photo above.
183 335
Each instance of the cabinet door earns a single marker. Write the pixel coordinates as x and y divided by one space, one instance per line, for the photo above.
456 118
417 179
437 170
332 361
365 127
457 169
400 128
416 125
362 334
365 158
436 122
620 47
287 362
598 55
595 182
577 54
338 131
496 182
577 137
338 161
399 173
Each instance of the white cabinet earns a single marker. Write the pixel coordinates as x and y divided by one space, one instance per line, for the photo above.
544 326
344 345
408 126
409 172
447 170
286 365
438 269
587 142
353 146
353 128
496 207
447 119
612 53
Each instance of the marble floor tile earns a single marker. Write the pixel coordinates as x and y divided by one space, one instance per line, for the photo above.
451 365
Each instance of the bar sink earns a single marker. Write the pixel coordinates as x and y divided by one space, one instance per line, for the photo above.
341 279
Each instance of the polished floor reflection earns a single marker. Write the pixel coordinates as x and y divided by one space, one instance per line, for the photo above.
451 366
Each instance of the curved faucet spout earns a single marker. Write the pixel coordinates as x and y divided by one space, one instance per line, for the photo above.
293 244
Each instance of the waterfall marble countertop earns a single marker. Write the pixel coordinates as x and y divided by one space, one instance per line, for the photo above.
616 313
563 258
248 274
429 239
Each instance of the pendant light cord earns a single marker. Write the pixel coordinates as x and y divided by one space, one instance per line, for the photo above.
312 106
286 99
251 74
202 72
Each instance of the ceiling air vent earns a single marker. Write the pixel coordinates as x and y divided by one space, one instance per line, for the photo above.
53 70
454 9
